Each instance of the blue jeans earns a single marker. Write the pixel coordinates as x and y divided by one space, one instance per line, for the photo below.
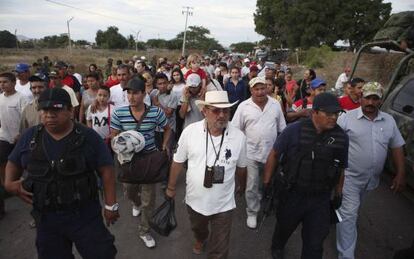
57 231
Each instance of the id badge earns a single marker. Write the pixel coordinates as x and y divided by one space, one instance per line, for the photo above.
218 175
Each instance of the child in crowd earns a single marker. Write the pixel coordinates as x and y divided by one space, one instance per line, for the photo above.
101 119
194 63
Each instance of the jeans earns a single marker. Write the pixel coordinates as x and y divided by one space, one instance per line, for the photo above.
346 231
253 187
57 231
312 210
220 226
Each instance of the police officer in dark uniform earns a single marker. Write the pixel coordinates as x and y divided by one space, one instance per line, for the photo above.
61 158
313 153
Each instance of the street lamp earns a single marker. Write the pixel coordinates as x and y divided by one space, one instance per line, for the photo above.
70 43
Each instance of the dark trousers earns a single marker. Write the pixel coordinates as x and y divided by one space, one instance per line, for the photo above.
312 210
57 231
220 226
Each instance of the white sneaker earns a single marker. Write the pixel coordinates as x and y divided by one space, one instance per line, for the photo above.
148 240
135 211
251 221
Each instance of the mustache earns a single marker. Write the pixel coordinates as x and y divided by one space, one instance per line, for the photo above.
371 106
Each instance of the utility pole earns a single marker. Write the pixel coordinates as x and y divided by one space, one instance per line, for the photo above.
186 12
70 42
136 40
17 41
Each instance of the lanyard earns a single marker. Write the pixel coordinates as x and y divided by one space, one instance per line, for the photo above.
214 148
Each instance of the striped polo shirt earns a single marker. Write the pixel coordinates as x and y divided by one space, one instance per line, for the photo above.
123 120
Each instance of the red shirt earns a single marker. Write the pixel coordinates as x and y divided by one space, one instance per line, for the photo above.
200 72
347 103
111 82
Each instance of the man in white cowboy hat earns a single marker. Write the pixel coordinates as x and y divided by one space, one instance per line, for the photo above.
215 151
260 118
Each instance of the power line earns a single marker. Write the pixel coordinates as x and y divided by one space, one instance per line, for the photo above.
99 14
187 12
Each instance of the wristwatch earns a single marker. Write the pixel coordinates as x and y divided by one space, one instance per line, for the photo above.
113 207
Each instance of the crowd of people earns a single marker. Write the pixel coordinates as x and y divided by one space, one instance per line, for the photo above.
228 122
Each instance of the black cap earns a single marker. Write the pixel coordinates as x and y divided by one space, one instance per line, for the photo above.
326 102
37 77
61 64
54 98
136 84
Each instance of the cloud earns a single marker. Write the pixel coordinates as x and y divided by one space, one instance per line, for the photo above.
228 21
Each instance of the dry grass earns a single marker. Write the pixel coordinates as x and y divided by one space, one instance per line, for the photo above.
81 58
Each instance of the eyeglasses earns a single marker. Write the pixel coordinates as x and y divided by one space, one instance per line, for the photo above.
217 111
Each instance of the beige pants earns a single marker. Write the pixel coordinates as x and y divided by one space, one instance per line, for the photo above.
142 195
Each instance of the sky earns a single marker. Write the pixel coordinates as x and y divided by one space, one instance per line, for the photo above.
229 21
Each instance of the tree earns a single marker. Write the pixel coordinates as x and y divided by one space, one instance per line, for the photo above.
111 39
360 20
309 23
7 40
156 43
131 42
54 41
197 38
243 47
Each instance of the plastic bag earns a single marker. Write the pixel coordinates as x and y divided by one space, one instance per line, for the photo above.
163 219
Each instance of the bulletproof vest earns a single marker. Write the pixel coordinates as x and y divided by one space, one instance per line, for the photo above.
315 168
65 183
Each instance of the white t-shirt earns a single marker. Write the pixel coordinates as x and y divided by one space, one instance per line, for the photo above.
192 147
72 95
178 90
260 127
342 79
11 108
100 121
24 89
118 96
214 85
244 71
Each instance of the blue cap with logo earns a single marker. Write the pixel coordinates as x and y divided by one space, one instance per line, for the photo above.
22 67
317 82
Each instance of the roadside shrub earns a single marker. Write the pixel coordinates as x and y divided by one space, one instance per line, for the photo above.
318 57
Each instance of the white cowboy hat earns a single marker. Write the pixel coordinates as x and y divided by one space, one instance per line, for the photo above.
217 99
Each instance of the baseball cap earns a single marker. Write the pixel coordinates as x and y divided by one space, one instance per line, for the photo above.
372 88
61 64
254 68
54 98
136 84
53 73
37 77
326 102
317 82
22 67
257 80
193 80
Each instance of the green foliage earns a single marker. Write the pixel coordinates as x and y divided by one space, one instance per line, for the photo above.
111 39
197 38
308 23
7 40
27 44
243 47
157 43
54 41
318 57
82 42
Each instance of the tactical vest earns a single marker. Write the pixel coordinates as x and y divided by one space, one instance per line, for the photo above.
316 167
65 183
